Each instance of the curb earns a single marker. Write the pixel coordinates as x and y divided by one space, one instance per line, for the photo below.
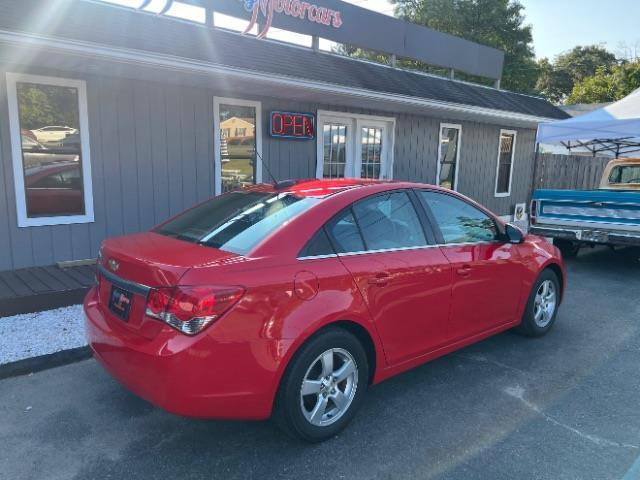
44 362
41 301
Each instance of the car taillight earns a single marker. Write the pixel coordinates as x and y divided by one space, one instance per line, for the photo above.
534 211
191 309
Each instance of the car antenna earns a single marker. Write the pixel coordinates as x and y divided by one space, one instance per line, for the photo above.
266 166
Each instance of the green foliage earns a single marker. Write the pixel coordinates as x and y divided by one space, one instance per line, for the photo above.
496 23
556 80
607 85
42 105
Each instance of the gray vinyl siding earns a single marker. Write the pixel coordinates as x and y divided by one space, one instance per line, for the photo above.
152 155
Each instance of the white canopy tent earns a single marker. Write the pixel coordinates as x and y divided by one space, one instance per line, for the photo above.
613 129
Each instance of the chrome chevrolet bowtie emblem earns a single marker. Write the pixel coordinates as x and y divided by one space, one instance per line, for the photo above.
113 265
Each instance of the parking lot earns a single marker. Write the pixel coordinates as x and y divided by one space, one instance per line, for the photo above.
561 407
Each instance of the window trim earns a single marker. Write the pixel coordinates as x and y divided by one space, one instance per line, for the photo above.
12 80
356 121
513 154
458 127
217 101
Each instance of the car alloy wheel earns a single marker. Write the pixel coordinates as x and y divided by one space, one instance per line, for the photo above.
544 305
328 387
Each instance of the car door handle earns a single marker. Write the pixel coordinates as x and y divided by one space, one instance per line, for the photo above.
464 271
380 280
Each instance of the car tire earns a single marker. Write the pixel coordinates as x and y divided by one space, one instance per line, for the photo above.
568 248
542 306
312 405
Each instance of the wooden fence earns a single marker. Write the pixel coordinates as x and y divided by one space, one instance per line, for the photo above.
571 172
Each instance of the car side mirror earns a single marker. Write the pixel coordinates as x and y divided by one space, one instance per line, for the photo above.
513 234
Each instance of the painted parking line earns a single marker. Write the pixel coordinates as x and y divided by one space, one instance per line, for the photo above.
634 472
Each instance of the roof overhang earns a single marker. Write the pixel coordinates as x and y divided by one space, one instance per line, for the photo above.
25 47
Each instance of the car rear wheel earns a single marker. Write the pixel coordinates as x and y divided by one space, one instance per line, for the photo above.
323 386
542 306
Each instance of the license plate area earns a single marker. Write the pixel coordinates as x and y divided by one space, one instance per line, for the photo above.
120 302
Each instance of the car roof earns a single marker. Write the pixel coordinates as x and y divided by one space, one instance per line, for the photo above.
328 187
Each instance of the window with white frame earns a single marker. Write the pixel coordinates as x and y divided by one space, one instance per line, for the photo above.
449 155
50 150
504 169
356 146
237 156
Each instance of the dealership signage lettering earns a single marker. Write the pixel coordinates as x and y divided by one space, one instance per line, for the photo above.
292 125
294 8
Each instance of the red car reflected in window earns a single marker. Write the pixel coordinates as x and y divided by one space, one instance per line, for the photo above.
290 300
54 189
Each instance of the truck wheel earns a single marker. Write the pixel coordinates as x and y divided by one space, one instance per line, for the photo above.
323 387
542 306
568 248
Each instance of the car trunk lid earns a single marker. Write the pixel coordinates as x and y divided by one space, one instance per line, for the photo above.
130 266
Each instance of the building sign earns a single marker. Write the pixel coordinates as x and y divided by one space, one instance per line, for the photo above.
304 11
292 125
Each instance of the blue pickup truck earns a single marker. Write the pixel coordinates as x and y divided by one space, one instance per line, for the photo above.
609 215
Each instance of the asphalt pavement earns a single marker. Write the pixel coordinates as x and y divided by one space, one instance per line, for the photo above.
565 406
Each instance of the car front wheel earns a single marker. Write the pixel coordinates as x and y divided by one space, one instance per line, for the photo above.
323 386
542 306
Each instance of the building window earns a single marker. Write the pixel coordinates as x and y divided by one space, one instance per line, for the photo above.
504 169
50 150
449 155
238 129
356 146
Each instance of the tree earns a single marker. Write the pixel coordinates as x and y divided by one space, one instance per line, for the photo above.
557 79
496 23
607 85
42 105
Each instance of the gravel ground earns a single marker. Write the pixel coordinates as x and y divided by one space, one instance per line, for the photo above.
34 334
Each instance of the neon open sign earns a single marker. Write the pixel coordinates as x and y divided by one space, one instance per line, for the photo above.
292 125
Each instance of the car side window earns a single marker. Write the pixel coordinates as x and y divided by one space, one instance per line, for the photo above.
345 233
389 221
318 245
458 221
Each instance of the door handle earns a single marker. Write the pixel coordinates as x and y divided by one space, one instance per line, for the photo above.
380 280
464 270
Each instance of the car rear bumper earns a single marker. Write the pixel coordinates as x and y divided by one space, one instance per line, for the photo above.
588 235
201 376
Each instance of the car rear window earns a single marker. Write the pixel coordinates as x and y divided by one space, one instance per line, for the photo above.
237 221
625 174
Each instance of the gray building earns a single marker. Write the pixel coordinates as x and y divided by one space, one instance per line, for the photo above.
112 119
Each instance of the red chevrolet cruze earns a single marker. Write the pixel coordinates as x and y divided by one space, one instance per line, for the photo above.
291 299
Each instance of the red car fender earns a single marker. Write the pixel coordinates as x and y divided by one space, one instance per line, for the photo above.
359 318
541 255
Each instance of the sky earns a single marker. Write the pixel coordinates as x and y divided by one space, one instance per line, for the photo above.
558 25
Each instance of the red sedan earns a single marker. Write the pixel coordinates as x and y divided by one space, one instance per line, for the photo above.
291 299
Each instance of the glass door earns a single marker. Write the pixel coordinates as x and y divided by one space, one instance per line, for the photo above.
372 150
354 146
335 148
